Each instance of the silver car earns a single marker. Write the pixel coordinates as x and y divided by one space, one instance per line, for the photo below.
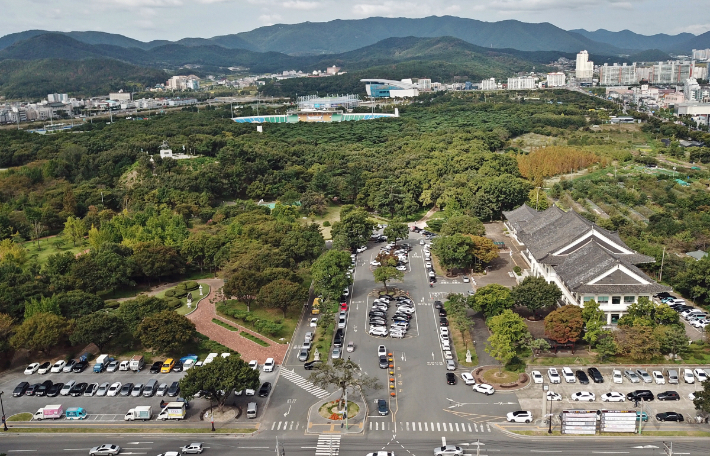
644 375
137 390
103 388
631 375
336 353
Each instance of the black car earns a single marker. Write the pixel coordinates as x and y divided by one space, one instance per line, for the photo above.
438 305
78 389
174 389
669 416
338 339
79 367
384 364
265 389
443 321
55 389
442 312
450 378
596 375
641 395
312 365
668 396
126 389
155 368
582 377
32 389
42 389
377 322
20 389
177 367
382 407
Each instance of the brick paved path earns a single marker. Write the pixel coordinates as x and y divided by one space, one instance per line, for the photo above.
202 317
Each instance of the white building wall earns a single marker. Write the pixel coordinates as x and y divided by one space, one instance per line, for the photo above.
555 79
584 68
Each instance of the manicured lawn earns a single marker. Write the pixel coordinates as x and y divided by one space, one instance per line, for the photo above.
561 361
224 325
50 246
253 338
274 315
183 309
331 215
20 417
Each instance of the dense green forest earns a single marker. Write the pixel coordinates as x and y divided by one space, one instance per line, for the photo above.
136 218
21 79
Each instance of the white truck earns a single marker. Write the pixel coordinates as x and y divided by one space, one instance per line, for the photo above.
137 363
142 412
49 412
173 411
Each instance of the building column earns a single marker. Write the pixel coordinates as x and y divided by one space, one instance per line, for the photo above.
608 318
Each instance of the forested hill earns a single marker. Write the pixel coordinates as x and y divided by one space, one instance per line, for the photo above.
35 79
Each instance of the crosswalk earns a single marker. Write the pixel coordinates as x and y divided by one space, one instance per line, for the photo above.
328 445
426 426
285 426
293 377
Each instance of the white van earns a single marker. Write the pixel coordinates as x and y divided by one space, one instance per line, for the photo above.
251 410
568 374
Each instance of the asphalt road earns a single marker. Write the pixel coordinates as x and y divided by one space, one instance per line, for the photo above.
305 445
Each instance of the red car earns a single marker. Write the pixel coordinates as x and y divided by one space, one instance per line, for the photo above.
343 306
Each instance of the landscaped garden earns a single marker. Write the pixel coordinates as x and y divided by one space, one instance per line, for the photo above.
268 322
177 296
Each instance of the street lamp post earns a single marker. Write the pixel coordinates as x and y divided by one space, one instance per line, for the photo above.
212 415
2 407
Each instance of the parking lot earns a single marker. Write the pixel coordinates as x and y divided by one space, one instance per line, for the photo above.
532 397
107 408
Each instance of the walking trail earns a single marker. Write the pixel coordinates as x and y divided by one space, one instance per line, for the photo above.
249 350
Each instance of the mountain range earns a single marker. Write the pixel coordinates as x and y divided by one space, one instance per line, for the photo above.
338 36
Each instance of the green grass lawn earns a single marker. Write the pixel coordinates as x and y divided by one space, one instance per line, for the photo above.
183 309
50 246
331 215
274 315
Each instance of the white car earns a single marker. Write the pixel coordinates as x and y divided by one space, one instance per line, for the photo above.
58 366
691 396
700 375
346 291
444 337
377 331
313 323
396 334
361 249
466 279
124 366
402 268
616 376
250 392
448 354
31 369
405 309
468 378
568 374
193 448
114 389
484 388
688 376
44 368
254 364
381 350
613 396
553 375
448 450
450 365
658 377
443 330
105 450
583 396
552 396
427 264
374 263
269 365
520 416
102 389
536 376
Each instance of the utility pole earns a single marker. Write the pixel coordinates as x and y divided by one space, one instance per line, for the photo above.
663 257
4 421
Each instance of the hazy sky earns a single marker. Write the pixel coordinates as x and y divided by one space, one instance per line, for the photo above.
174 19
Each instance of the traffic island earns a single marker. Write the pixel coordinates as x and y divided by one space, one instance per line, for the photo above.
500 379
327 417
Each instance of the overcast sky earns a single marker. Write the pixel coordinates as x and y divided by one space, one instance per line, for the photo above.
174 19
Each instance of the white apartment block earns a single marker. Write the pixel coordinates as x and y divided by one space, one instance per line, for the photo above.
183 82
701 54
555 79
585 67
424 84
521 83
671 72
617 74
691 90
489 84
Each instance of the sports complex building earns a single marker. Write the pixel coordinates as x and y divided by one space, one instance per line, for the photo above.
319 109
387 88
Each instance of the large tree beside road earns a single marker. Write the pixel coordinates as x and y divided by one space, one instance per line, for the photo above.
328 272
353 230
343 374
218 378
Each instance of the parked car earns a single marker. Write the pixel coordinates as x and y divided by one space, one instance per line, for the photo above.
644 375
265 389
700 375
31 369
596 375
102 389
58 366
641 395
658 377
568 375
174 389
613 396
312 365
382 407
450 378
688 376
582 377
79 367
269 365
78 389
669 416
155 368
106 449
69 366
67 387
44 367
126 389
193 448
553 375
583 396
668 396
552 396
468 378
20 389
631 375
616 376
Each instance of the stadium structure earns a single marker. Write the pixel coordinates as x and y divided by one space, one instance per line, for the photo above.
387 88
312 108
